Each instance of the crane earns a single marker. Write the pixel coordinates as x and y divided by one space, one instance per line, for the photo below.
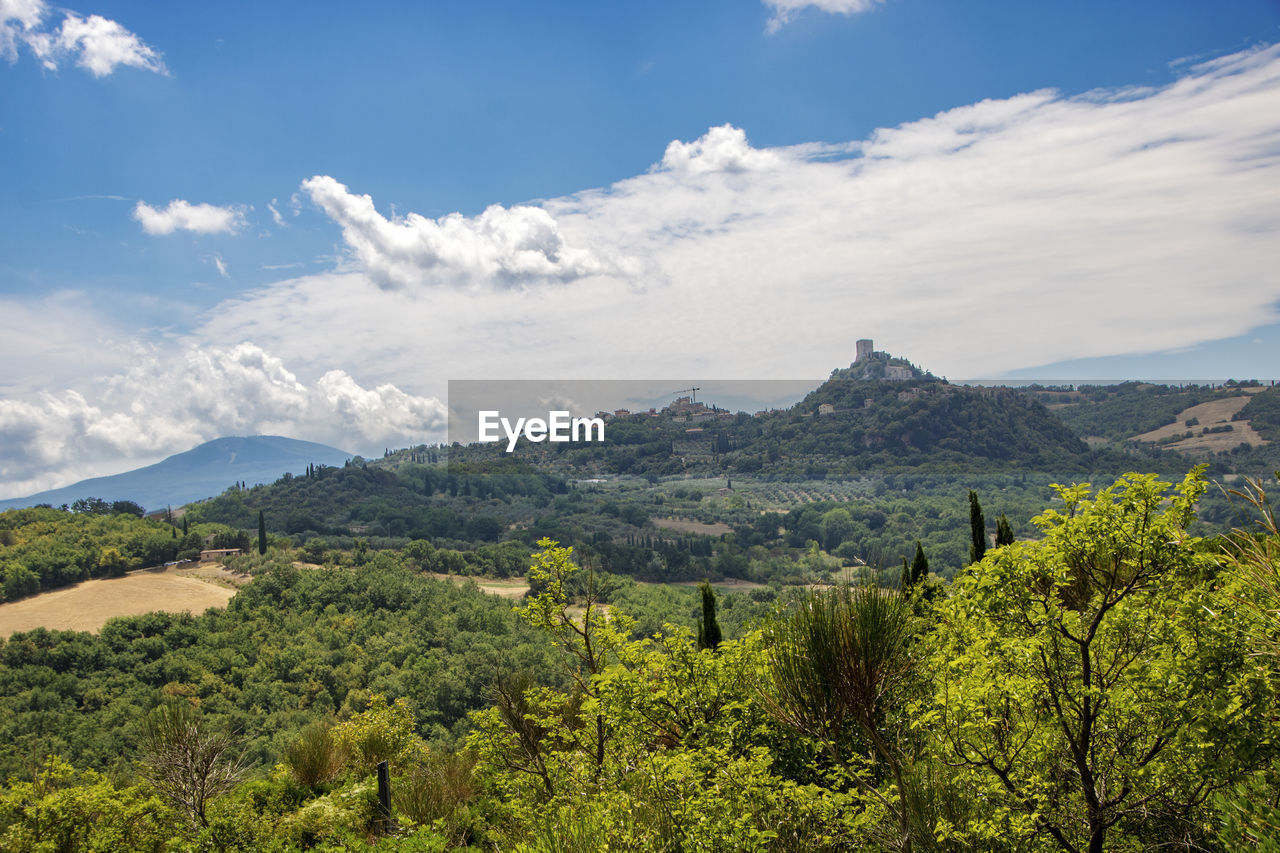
694 391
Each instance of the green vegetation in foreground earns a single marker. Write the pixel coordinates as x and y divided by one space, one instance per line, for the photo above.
1110 685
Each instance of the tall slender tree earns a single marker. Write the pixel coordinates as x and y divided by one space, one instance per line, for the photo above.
977 529
919 566
1004 531
709 635
262 533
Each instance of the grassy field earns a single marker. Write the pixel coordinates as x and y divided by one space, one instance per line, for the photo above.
1215 413
684 525
506 588
87 606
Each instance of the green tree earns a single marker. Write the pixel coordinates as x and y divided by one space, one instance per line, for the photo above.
1004 531
840 667
977 529
262 533
919 566
1089 681
62 809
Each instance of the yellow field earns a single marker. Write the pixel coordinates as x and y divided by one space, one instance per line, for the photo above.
506 588
1211 414
88 605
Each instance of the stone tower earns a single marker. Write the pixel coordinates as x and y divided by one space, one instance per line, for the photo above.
865 348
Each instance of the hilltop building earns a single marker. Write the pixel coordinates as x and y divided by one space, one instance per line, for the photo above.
865 348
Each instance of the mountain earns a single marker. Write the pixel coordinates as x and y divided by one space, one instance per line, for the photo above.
200 472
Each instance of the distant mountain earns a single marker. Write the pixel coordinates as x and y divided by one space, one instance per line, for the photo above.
201 472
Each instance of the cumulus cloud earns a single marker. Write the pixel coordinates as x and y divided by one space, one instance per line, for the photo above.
996 235
182 215
168 402
97 44
19 22
785 10
721 149
502 245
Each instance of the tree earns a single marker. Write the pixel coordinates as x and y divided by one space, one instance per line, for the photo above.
127 508
977 529
262 533
91 506
919 566
1255 555
1004 531
709 635
1090 682
187 763
839 667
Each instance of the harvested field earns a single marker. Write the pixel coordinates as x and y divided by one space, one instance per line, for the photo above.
506 588
1215 413
88 605
684 525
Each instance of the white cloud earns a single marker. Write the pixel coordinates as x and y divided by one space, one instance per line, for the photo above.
97 44
220 265
46 341
721 149
504 246
181 215
168 402
997 235
19 20
275 214
785 10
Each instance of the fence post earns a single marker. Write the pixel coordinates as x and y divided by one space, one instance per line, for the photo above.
384 798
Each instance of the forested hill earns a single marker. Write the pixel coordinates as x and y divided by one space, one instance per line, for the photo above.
877 414
1234 425
924 416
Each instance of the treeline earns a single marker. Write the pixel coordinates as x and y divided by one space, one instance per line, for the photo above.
42 548
412 502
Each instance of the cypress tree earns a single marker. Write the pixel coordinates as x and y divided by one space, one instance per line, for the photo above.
184 525
262 533
919 566
709 635
977 529
1004 531
904 580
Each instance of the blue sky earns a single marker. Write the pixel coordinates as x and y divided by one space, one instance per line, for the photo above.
305 219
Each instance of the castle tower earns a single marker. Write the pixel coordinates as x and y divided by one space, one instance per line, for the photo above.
865 349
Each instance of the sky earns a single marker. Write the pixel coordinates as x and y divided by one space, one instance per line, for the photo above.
304 219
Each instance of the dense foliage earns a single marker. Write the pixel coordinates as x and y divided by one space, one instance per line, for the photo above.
42 548
1110 684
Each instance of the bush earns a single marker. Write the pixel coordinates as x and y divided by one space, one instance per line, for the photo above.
315 756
